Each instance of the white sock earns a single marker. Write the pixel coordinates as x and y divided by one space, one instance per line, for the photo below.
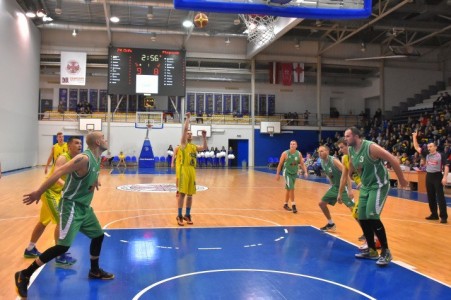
293 203
31 246
330 222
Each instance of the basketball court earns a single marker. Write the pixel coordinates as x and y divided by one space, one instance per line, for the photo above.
242 245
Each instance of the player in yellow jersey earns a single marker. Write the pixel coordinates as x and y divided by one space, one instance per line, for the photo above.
50 201
57 149
175 163
187 180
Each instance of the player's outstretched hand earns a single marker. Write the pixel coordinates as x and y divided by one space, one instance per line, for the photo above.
188 115
30 198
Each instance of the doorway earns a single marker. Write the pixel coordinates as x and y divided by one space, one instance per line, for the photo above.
240 149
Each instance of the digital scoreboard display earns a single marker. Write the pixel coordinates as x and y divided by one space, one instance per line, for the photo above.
146 71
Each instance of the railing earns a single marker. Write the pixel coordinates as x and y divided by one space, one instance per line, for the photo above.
342 121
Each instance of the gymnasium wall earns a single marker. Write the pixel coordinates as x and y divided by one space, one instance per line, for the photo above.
125 137
19 88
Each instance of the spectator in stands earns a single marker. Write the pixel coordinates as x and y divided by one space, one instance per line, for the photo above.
306 115
438 102
199 117
121 159
61 107
80 109
446 99
295 118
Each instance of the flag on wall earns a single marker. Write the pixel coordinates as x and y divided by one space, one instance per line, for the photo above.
73 68
274 72
298 72
287 74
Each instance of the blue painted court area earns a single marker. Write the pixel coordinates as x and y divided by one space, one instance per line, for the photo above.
231 263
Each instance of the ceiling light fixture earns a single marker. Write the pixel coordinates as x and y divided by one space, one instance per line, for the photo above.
187 23
237 21
153 36
47 19
115 19
74 32
58 9
150 13
41 13
363 47
30 14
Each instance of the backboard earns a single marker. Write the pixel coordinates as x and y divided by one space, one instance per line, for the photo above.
144 118
89 124
197 130
270 127
308 9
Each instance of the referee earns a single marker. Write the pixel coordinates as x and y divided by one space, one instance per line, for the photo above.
434 166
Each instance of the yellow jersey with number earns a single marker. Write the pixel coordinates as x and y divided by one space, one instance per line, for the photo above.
354 176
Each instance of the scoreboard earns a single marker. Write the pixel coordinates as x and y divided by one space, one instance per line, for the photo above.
146 71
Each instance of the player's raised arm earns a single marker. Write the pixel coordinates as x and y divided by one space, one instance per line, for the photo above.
78 164
183 141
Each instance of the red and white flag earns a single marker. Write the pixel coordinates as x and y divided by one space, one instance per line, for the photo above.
298 72
287 74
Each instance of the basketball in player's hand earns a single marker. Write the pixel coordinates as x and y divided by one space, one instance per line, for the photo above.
200 20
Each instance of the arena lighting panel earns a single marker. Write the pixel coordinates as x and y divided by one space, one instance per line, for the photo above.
320 9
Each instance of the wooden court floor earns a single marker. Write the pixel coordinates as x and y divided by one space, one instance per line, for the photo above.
235 197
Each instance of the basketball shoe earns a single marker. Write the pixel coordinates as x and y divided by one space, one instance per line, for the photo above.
65 260
21 284
100 274
33 253
286 207
188 220
368 254
329 227
385 258
293 207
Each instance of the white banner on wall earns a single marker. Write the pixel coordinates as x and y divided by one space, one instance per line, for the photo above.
73 68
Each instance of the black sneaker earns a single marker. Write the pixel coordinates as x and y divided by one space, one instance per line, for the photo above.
443 221
188 220
287 207
432 217
100 274
21 284
329 227
293 207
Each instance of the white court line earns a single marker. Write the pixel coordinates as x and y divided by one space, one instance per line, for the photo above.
142 292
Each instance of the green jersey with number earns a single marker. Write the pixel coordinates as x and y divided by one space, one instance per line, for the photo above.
372 172
79 188
332 172
291 163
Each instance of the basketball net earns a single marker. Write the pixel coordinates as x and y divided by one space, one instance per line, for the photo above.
260 28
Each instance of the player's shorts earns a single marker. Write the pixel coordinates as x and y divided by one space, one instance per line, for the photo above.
290 180
187 180
177 171
77 218
49 208
371 202
331 197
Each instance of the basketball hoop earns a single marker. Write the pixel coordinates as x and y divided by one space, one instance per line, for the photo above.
260 28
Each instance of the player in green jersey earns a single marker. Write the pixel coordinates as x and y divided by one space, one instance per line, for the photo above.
290 161
367 158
